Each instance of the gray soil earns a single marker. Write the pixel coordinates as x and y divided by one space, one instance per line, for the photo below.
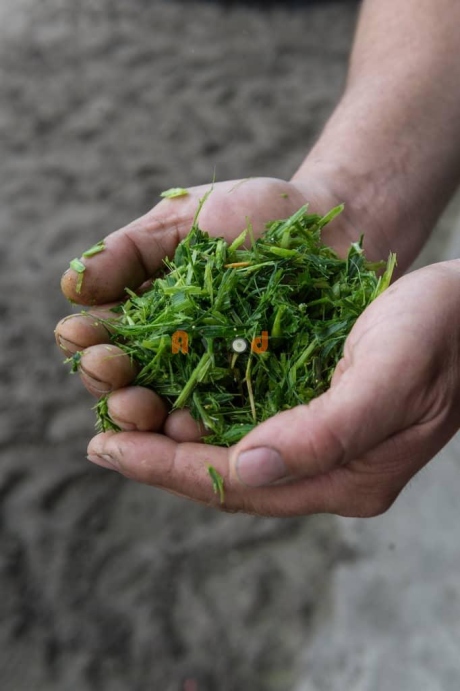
108 585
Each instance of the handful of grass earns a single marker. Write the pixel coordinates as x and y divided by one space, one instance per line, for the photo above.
238 334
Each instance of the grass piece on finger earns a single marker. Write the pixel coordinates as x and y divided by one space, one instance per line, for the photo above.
217 483
80 268
95 249
174 192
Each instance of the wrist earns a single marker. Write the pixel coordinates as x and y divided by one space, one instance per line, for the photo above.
370 208
394 184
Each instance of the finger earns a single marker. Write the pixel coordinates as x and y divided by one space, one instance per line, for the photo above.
79 331
182 427
365 487
130 256
134 253
104 368
183 469
157 460
136 408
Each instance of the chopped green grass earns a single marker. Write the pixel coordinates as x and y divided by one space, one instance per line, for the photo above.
174 192
74 361
217 482
103 419
237 334
80 268
95 249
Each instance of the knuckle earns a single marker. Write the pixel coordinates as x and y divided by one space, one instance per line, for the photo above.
326 451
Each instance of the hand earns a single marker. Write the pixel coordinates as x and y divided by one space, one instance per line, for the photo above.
394 402
366 414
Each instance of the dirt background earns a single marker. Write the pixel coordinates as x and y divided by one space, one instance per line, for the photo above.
107 585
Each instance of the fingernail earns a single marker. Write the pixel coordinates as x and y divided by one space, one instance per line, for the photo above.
104 460
259 467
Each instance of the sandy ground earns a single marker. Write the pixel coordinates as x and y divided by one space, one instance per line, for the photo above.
109 585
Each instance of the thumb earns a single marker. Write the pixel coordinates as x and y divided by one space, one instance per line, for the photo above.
134 253
359 412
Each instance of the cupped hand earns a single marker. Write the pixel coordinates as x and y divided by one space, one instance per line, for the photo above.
393 402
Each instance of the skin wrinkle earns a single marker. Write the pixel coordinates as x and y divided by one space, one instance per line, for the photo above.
125 426
196 474
73 346
157 229
139 257
65 344
345 456
315 448
92 376
94 383
179 228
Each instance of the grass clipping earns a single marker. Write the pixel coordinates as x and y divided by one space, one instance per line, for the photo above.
238 334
